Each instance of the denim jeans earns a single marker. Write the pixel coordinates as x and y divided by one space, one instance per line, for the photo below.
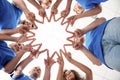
111 44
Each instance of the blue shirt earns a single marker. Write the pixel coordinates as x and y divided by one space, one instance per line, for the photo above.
23 77
9 18
6 54
9 15
93 41
89 4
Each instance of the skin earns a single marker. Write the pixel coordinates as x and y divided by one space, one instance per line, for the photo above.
94 11
78 44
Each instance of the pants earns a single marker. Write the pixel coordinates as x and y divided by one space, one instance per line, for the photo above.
111 44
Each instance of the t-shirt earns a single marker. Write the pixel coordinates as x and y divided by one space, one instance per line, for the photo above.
6 54
9 15
9 18
23 77
94 41
89 4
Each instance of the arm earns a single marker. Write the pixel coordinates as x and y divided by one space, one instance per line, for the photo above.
91 57
8 31
79 65
57 3
61 66
21 4
35 4
48 64
10 66
94 24
83 68
8 38
21 66
94 11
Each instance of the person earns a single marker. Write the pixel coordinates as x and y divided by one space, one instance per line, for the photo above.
71 74
7 10
54 9
92 8
35 71
102 46
41 5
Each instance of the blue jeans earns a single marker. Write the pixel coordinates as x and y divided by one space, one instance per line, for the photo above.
111 44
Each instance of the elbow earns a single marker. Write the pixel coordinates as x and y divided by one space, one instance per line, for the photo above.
6 70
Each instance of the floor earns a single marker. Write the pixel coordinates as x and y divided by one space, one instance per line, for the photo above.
55 38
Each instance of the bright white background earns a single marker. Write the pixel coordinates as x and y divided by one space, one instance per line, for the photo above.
52 35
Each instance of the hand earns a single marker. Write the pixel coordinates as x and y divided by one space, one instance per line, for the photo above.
78 33
67 55
24 38
42 12
49 61
71 20
65 13
60 59
31 16
78 44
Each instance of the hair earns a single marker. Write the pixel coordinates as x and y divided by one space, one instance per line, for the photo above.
77 75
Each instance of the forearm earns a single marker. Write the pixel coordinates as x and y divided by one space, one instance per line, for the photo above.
57 3
60 73
94 11
94 24
8 31
8 38
47 74
21 4
84 69
68 6
91 57
10 66
35 4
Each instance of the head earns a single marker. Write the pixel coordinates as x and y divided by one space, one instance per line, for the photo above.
35 72
71 75
78 9
27 23
45 3
16 46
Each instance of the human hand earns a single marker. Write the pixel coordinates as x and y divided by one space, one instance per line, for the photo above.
54 11
60 59
49 61
71 20
24 38
78 33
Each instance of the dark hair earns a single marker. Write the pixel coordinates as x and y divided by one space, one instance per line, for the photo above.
77 76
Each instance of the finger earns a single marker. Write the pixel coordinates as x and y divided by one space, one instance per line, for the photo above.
53 54
38 21
50 17
47 18
58 18
32 33
69 39
45 50
32 41
57 54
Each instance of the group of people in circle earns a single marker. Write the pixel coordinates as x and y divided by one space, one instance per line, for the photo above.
101 45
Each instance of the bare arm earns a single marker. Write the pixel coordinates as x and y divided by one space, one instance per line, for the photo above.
8 38
61 66
10 66
91 57
21 4
94 24
35 4
94 11
83 68
57 3
8 31
21 66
